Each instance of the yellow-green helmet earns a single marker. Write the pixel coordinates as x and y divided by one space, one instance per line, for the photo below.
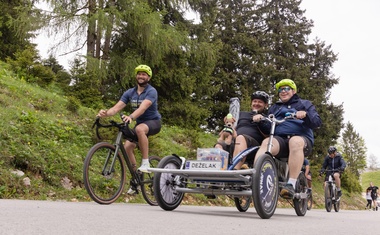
144 68
286 82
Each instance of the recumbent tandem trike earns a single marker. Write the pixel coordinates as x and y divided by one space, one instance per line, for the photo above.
175 176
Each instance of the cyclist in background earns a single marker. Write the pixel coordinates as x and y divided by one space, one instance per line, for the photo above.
294 138
335 164
306 170
143 99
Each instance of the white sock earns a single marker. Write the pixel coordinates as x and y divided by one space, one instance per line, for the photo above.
292 182
145 161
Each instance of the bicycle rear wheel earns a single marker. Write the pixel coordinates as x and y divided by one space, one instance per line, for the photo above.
164 184
300 203
328 198
103 180
309 200
265 186
147 182
242 203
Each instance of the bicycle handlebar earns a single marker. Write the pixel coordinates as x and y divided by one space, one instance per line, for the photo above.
113 123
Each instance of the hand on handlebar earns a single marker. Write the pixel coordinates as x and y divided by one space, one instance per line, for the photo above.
102 113
126 119
301 114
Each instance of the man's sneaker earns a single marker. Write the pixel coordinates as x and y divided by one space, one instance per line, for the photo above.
339 193
287 191
144 167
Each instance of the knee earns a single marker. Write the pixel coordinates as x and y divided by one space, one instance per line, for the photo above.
296 143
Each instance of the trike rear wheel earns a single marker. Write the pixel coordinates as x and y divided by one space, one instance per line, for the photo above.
300 203
242 203
147 182
103 181
265 186
164 184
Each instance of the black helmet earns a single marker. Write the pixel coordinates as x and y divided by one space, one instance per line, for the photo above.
262 95
331 149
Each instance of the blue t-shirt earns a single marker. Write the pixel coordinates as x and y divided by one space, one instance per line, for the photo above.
149 93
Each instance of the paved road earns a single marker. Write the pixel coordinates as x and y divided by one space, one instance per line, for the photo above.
56 218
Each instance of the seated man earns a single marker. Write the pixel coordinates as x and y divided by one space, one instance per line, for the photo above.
294 138
249 133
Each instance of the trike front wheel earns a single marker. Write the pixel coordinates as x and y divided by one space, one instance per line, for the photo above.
168 198
104 173
300 203
265 186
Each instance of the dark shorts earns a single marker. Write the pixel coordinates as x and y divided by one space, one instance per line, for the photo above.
154 126
251 142
284 146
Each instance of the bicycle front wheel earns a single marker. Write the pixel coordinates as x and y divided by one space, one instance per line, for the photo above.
104 173
309 200
328 198
147 182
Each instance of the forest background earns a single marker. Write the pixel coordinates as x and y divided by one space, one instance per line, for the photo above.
236 48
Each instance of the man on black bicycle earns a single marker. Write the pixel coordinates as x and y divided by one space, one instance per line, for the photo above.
143 99
335 165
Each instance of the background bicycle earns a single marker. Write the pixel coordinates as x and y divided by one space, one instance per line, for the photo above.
331 195
107 165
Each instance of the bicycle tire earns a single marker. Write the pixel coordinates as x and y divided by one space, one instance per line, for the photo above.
328 198
300 204
147 182
337 202
103 189
309 200
242 203
164 184
265 186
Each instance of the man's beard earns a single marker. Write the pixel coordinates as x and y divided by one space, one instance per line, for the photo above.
143 84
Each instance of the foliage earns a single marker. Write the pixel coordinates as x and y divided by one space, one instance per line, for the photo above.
353 150
18 20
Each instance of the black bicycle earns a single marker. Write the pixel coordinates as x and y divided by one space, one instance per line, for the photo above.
331 193
106 165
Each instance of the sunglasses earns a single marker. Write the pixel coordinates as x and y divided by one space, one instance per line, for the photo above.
287 89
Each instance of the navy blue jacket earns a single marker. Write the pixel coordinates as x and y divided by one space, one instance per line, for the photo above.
300 127
335 164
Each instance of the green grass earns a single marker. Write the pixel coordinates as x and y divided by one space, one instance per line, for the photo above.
44 137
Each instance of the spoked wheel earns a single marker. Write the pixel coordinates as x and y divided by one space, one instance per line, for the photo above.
163 184
103 181
309 199
300 202
265 186
242 203
328 198
147 182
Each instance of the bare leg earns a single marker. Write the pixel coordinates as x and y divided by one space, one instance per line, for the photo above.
240 145
296 156
129 148
141 132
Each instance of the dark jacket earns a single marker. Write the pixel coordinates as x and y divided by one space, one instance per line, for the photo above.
334 164
300 127
246 126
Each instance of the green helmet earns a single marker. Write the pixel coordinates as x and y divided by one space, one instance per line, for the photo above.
144 68
286 82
